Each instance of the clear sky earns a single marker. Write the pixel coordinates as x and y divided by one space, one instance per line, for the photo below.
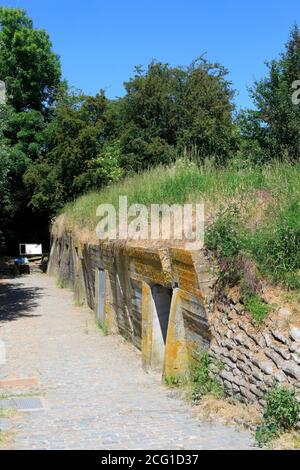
99 41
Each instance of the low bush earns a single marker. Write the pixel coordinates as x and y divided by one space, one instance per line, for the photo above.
202 379
265 434
277 246
281 409
281 414
269 250
224 235
175 381
258 308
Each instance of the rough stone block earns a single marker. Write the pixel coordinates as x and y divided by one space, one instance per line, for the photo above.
258 339
229 344
226 375
295 348
280 377
279 336
228 385
267 339
267 367
256 391
275 357
296 358
227 361
295 334
243 367
257 374
291 369
248 394
284 353
242 340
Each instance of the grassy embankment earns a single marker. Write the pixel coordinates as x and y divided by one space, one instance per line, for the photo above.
253 214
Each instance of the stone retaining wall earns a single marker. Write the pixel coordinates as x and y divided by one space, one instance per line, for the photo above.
255 357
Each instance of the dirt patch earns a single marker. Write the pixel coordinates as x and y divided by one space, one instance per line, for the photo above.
7 440
228 412
287 441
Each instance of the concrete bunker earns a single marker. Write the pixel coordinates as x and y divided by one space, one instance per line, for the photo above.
165 303
153 298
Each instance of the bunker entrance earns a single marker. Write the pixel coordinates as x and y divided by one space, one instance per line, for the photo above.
162 297
100 297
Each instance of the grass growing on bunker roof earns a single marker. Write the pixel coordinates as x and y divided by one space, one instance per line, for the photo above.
184 181
266 198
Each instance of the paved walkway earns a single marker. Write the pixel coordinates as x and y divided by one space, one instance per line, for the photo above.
96 395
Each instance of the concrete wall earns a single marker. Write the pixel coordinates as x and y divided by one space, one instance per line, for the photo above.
152 297
137 282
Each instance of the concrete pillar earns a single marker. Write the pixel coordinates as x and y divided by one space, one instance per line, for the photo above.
176 363
147 320
110 315
104 305
153 344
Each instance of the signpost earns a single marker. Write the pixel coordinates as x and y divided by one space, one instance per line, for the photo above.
27 249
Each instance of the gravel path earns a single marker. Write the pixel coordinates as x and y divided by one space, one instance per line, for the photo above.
94 391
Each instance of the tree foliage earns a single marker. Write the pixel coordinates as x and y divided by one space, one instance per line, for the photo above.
31 72
80 152
28 65
169 110
56 143
273 128
92 141
5 165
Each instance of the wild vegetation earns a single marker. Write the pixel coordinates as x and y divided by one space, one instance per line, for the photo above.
56 143
280 415
252 213
173 137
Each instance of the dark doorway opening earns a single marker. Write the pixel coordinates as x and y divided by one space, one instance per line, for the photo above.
162 297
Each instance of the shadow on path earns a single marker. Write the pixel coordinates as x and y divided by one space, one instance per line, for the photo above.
17 301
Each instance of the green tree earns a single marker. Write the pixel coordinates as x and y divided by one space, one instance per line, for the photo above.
28 65
5 165
149 116
81 152
31 72
275 123
205 124
169 110
58 144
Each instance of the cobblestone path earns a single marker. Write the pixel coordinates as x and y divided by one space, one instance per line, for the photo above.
95 393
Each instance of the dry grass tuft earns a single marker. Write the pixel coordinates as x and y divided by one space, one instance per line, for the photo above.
287 441
6 440
227 411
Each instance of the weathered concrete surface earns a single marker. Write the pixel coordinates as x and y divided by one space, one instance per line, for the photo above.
96 393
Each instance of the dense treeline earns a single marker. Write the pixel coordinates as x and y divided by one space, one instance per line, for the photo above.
57 143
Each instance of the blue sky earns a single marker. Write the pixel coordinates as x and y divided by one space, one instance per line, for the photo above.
99 41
